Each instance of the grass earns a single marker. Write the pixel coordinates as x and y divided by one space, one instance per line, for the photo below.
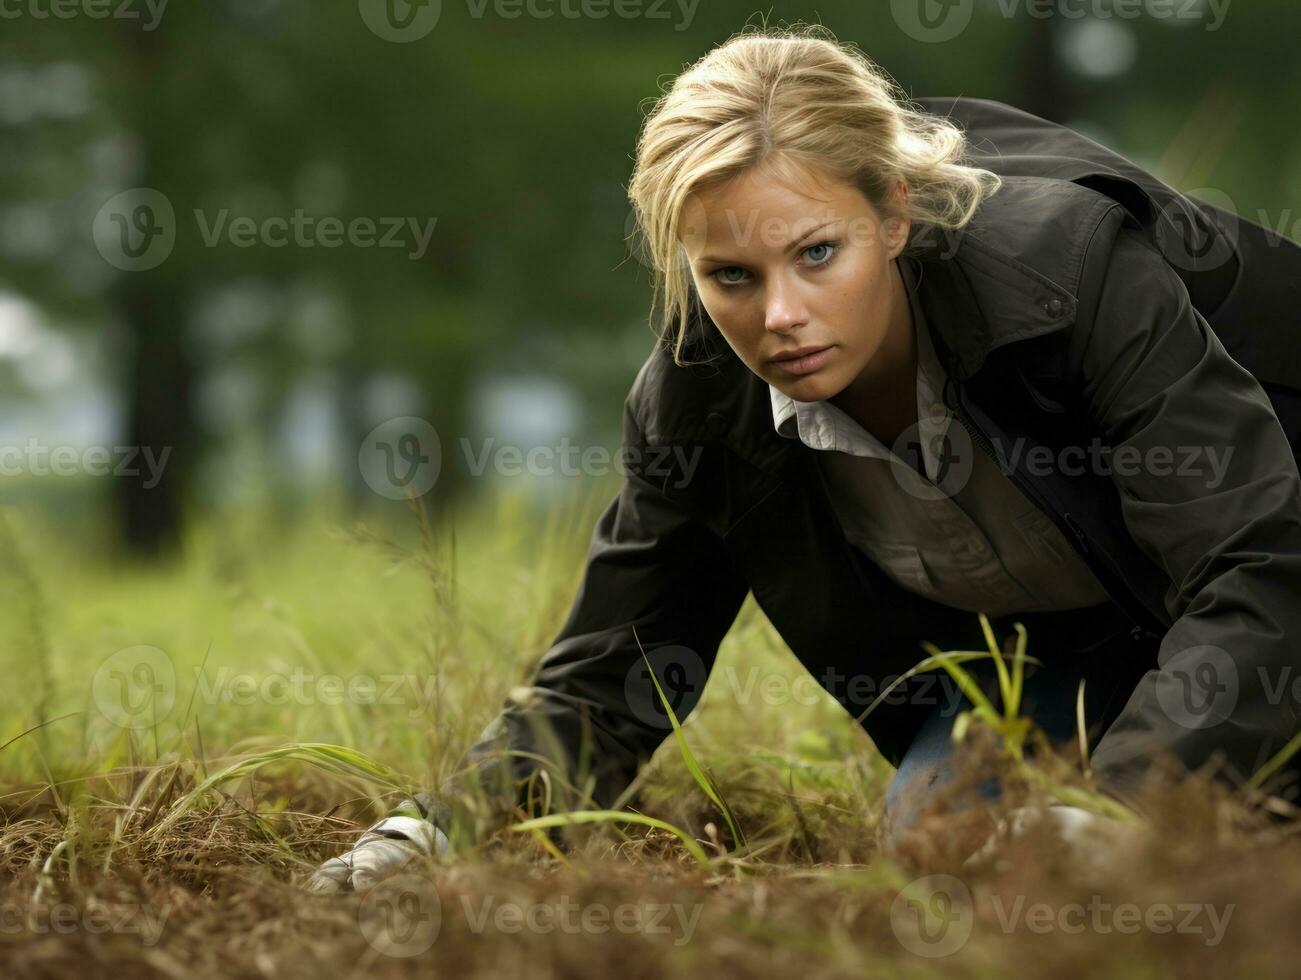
313 672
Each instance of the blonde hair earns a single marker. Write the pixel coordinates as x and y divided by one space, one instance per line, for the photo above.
768 96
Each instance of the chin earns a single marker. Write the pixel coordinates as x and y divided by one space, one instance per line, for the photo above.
815 387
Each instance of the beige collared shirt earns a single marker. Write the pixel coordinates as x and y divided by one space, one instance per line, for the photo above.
963 534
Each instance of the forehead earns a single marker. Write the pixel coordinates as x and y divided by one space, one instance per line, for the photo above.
766 207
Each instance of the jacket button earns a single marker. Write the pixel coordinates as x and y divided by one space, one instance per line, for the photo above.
715 423
1053 308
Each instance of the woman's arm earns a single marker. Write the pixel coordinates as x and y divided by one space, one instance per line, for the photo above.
1228 533
589 716
651 565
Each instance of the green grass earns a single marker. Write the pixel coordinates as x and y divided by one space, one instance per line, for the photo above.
226 787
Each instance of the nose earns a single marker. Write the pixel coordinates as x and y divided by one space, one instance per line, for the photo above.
783 309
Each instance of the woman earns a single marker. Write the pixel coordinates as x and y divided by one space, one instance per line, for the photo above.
919 362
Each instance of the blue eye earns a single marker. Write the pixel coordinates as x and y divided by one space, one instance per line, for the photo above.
832 248
826 245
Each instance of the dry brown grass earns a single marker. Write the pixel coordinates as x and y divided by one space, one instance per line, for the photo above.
86 860
820 901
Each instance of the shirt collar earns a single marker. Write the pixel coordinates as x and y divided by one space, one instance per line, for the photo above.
821 425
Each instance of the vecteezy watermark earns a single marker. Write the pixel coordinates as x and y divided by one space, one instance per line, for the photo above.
1193 237
1277 226
135 687
404 21
401 456
590 918
588 10
37 459
302 230
405 455
682 673
302 688
935 916
1283 686
403 916
949 453
148 12
1125 461
1203 237
96 918
938 446
928 688
730 228
568 459
932 21
1200 686
735 229
1199 230
1187 918
932 916
936 21
400 21
1212 12
1197 686
136 230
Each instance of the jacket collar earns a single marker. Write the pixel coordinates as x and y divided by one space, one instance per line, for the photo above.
1011 275
983 298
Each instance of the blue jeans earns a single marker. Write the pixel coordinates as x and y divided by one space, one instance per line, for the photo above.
1095 644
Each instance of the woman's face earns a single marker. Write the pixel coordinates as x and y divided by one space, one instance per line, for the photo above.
783 265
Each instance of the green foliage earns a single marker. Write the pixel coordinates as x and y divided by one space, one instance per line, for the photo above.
612 816
1012 728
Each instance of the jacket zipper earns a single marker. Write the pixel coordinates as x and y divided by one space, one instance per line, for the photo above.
1117 589
973 431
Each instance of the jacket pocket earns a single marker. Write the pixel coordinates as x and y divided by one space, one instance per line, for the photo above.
1041 536
900 561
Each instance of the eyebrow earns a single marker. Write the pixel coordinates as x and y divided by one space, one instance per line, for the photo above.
789 247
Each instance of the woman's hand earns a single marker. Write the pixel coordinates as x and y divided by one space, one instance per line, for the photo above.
381 851
1093 842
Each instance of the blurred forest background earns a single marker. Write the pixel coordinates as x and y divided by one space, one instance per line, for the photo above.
508 303
276 257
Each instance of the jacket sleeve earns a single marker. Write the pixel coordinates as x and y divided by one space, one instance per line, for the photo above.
1210 490
590 716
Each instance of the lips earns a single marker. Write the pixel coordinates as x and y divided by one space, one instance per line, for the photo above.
799 352
800 365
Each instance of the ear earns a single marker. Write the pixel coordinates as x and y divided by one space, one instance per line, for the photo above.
896 226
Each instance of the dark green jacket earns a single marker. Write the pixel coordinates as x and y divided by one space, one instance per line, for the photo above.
1085 301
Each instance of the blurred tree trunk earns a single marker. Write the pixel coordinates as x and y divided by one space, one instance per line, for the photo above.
157 382
1045 89
157 375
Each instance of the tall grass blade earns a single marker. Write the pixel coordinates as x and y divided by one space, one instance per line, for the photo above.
1080 730
697 772
922 666
1004 682
336 759
613 816
1273 765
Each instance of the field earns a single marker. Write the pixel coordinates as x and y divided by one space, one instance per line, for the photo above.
398 641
